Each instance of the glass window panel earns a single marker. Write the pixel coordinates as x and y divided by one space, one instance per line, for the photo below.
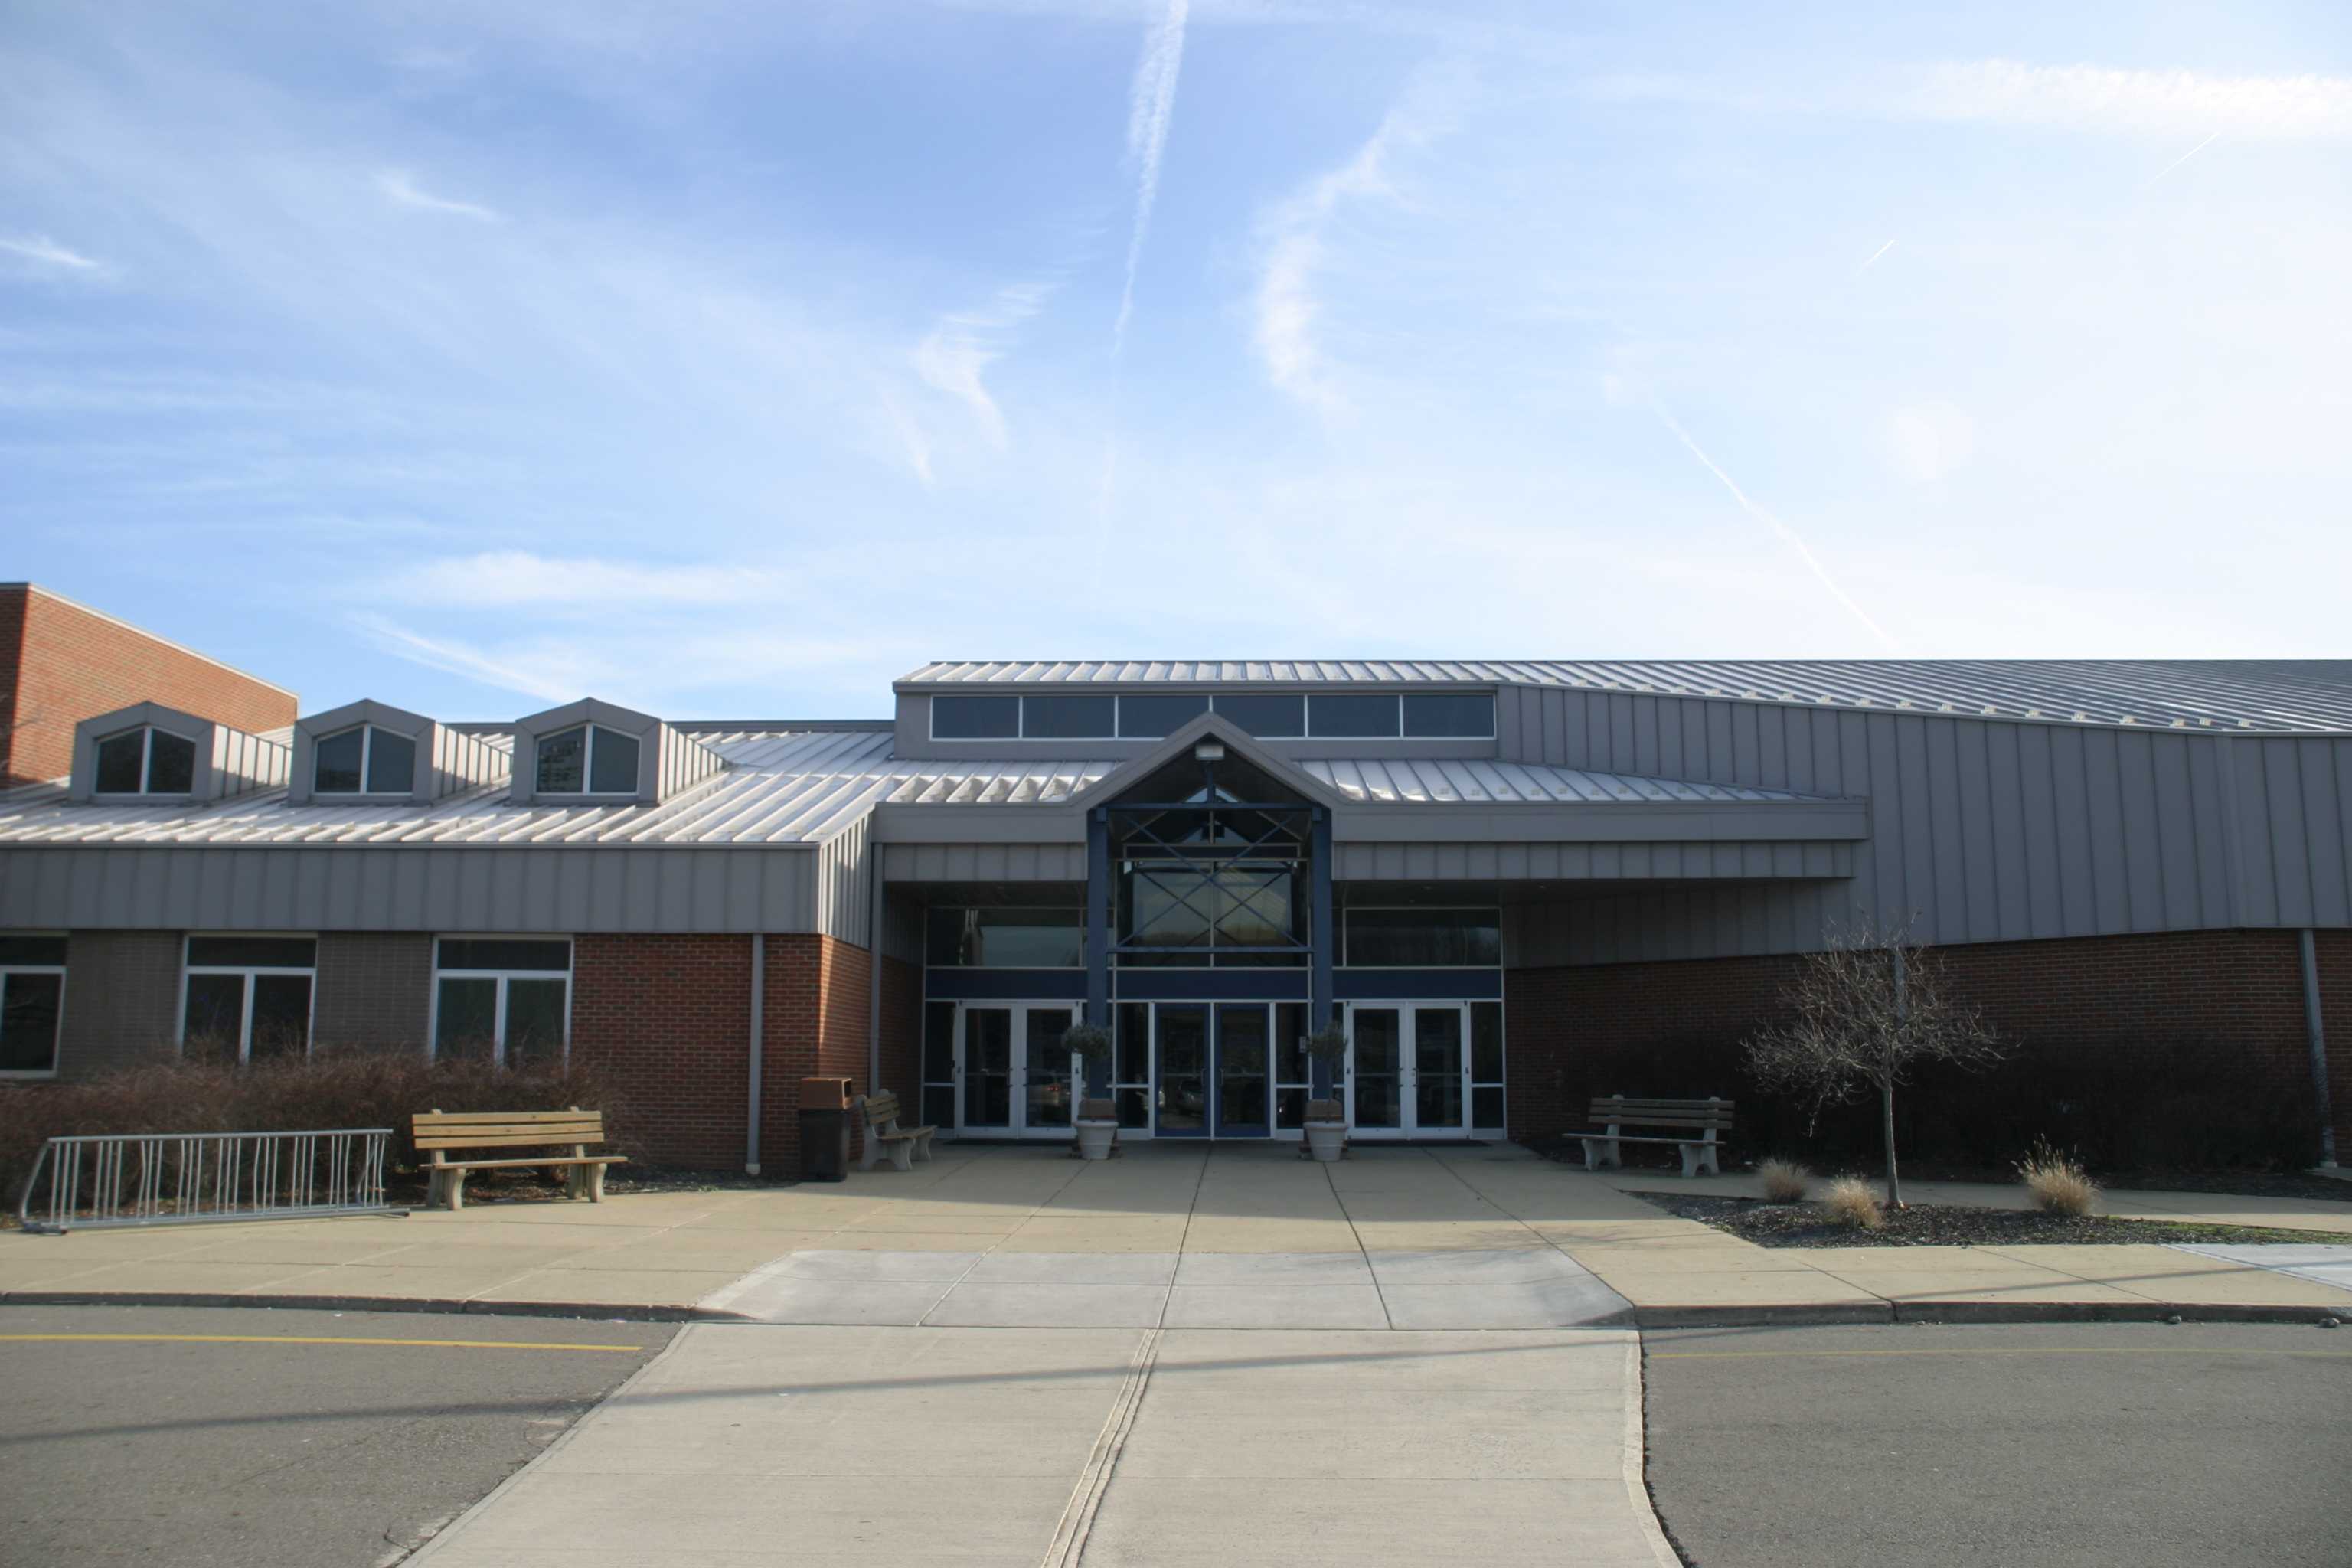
939 1043
1183 1088
1048 1067
1270 718
1351 715
1425 939
1241 1068
170 763
1067 718
30 1004
335 763
988 1067
1132 1063
613 763
1379 1066
958 718
1134 1106
1487 1042
563 762
32 950
1486 1108
466 1022
1469 715
1006 939
1290 1106
1150 717
534 1020
122 760
215 1014
477 952
1290 1063
939 1104
1169 906
391 763
253 951
281 1015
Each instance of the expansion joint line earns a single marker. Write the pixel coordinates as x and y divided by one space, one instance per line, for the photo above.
1077 1520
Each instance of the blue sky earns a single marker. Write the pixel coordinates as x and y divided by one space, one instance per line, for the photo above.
731 359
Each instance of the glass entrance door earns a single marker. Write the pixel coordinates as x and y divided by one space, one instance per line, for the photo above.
1410 1074
1245 1083
1027 1090
1180 1103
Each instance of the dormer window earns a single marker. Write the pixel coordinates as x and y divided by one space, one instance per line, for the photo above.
588 759
146 761
363 760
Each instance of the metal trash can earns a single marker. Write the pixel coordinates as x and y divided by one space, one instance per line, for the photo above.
824 1128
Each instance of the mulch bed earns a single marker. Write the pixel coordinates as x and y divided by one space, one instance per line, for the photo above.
1936 1224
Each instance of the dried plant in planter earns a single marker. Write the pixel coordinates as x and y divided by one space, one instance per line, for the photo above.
1851 1202
1784 1181
1867 1010
2057 1182
1090 1042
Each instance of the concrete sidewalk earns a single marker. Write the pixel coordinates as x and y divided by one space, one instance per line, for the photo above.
1394 1237
747 1445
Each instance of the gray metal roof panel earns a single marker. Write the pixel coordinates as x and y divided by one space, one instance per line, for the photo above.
2293 695
792 788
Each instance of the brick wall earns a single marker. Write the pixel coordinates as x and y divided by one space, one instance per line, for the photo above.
2243 988
122 1000
60 664
902 1031
374 990
669 1020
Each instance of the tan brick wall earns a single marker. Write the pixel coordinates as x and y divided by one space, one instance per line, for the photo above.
375 991
60 664
122 1000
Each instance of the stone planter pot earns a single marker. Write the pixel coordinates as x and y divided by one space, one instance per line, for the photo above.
1327 1141
1095 1139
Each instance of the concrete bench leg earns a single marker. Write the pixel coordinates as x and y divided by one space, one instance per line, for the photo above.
595 1183
1699 1159
1600 1152
453 1186
902 1154
922 1146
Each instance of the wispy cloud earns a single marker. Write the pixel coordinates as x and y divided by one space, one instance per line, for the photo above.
400 187
41 248
503 579
1786 535
1150 104
1289 304
955 355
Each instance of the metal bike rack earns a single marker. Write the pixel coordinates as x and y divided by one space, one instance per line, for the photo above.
105 1180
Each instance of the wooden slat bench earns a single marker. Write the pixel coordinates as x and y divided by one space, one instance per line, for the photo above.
905 1145
1618 1111
441 1133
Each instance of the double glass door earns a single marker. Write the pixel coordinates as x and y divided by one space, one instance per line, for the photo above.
1412 1070
1215 1070
1011 1072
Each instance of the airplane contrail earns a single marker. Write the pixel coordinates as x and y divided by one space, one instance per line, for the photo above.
2182 159
1151 103
1788 535
1873 256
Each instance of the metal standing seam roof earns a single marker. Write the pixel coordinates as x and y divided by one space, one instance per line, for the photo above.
2250 694
789 787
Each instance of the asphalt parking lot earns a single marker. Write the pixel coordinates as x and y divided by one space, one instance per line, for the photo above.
275 1439
2018 1446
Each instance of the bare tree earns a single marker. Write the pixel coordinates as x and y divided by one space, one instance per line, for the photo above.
1868 1009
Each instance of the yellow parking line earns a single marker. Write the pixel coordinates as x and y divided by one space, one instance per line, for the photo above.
321 1340
1992 1350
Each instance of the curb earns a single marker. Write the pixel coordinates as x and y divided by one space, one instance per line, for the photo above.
1868 1312
451 1304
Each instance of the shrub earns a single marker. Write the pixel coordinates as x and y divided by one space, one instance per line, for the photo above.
2056 1181
1785 1182
328 1088
1853 1203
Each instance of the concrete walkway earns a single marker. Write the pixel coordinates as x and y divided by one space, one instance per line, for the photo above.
1170 1236
751 1444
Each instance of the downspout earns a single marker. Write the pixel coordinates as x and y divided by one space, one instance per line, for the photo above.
2317 1033
759 1010
874 983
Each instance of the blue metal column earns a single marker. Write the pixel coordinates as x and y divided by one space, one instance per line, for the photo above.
1098 898
1319 934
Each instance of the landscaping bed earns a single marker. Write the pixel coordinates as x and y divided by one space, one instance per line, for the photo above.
1768 1224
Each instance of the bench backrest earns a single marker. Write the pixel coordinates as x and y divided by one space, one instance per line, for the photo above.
1624 1110
1098 1110
452 1130
881 1108
1325 1110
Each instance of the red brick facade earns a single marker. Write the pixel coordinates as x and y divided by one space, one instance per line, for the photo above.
60 664
669 1020
2244 987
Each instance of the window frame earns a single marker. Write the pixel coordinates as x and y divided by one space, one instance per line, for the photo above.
587 764
367 763
503 977
146 732
247 972
58 1045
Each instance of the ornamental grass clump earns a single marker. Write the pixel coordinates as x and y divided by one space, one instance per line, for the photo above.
1784 1181
1851 1203
2057 1182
